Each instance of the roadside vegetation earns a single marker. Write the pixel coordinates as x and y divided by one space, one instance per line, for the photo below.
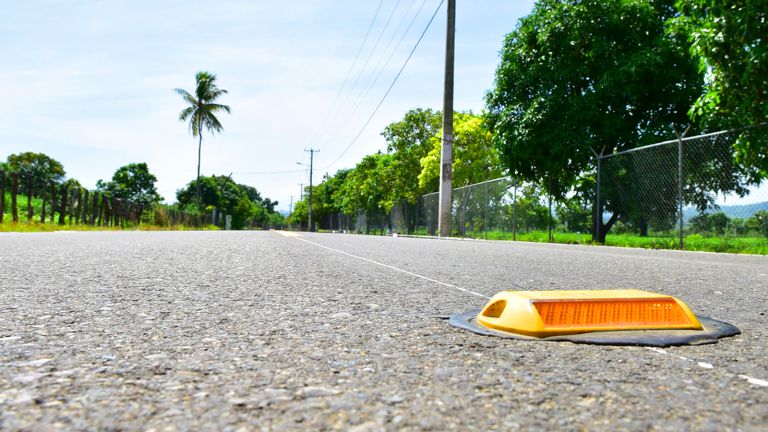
578 79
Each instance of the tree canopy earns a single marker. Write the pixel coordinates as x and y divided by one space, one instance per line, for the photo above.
475 159
588 75
728 39
132 182
408 141
244 203
38 166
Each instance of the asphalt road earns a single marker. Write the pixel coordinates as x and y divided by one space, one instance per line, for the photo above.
263 331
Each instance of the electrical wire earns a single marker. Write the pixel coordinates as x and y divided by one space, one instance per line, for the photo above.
323 124
367 122
378 74
365 65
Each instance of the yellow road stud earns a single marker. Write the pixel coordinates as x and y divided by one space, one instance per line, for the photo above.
551 313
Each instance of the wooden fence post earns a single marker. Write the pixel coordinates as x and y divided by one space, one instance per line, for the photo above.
30 212
53 202
14 193
2 195
84 209
94 207
44 196
63 205
115 214
103 210
78 209
71 203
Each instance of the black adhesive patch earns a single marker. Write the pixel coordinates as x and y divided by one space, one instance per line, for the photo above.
713 330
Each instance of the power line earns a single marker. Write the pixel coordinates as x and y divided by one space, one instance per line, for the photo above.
269 172
322 126
389 89
367 60
382 64
378 75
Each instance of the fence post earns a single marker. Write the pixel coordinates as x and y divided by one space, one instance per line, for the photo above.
44 196
549 196
64 203
70 207
30 212
2 195
94 207
14 193
84 210
485 216
598 208
680 197
53 202
103 210
514 212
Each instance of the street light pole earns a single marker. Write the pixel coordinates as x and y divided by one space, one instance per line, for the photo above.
446 152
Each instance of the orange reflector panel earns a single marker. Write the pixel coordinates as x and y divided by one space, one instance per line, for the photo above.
549 313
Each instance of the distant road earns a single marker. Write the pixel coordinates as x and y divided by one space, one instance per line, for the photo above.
261 330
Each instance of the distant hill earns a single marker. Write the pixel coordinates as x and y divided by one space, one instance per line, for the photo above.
742 211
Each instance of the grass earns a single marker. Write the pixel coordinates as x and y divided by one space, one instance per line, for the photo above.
692 242
9 226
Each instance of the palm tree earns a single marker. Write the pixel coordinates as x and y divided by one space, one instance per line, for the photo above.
200 112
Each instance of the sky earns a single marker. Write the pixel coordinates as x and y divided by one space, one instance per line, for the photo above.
90 83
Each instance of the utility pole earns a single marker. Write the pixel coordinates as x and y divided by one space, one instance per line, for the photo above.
290 207
311 166
301 191
446 152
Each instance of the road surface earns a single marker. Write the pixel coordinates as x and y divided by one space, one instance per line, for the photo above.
274 331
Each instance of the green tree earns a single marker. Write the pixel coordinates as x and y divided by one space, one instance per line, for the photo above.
759 222
244 203
707 223
38 166
215 191
201 110
408 141
532 213
366 189
475 159
728 38
584 76
132 182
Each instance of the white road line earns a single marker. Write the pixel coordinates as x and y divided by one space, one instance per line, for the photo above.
705 365
395 268
755 381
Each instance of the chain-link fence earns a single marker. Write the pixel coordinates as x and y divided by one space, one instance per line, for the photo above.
685 193
498 209
507 208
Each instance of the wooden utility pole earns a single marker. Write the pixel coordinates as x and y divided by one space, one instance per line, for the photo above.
311 167
446 152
